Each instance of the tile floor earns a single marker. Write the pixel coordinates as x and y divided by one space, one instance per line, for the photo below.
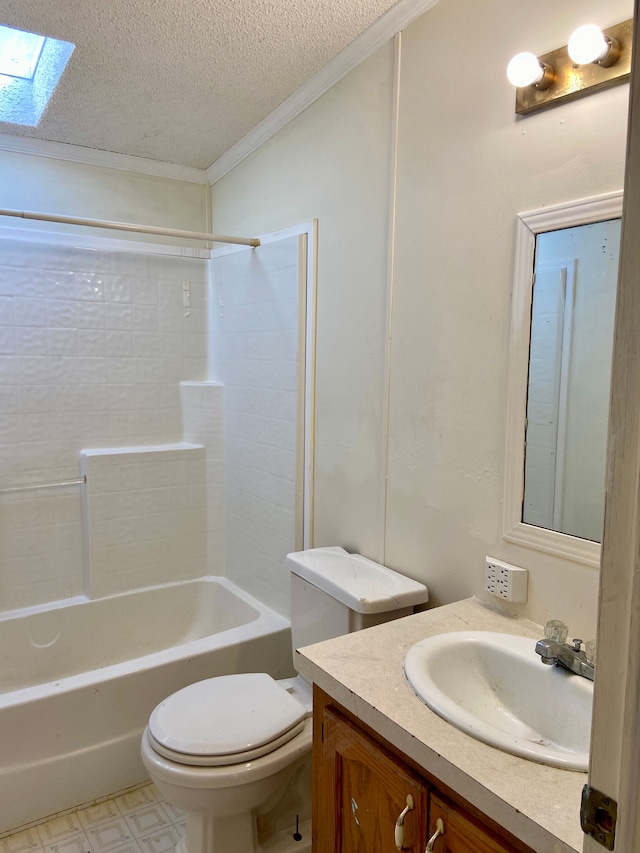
138 821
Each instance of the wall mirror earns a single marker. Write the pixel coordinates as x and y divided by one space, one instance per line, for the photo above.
563 312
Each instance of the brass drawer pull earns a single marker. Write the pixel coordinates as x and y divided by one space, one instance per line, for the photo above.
439 831
399 827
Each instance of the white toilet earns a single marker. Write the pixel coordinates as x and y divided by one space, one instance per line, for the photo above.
235 750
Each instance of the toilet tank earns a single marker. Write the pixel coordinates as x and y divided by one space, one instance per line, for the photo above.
334 593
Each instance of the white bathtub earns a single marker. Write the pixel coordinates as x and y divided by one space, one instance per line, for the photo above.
79 679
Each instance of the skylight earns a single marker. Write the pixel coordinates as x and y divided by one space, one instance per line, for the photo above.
19 52
30 67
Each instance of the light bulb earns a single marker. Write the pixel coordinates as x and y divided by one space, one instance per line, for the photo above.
587 44
525 70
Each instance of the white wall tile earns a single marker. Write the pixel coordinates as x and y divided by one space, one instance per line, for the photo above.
7 340
146 345
118 316
61 313
61 341
144 292
117 289
121 371
79 336
265 402
258 322
30 312
202 404
145 317
121 426
91 343
31 341
35 398
8 370
169 319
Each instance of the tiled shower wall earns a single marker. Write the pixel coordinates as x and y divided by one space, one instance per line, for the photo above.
203 417
93 346
259 359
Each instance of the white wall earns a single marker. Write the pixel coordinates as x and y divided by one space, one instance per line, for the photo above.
37 183
467 165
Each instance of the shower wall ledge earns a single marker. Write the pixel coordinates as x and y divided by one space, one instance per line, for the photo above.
145 516
177 446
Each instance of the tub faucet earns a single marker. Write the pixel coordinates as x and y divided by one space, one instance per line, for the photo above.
554 650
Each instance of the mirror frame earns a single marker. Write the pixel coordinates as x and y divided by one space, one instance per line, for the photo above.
581 212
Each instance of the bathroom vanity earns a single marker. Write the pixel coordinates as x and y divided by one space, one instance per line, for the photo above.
376 744
366 792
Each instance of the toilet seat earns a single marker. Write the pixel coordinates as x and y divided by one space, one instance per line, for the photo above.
225 720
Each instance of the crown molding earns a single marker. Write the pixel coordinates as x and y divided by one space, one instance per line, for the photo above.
106 159
377 35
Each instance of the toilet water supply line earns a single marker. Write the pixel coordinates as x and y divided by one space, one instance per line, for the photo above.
254 242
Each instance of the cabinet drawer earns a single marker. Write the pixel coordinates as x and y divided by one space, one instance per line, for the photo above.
461 834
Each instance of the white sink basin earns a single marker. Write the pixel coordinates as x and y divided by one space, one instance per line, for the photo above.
496 688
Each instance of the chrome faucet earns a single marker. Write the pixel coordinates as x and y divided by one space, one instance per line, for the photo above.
554 650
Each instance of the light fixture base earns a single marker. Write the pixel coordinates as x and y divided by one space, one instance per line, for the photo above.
572 80
612 55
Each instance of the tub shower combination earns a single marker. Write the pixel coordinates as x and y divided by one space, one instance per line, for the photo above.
109 347
80 679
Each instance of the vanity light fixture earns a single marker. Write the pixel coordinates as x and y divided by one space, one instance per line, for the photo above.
594 59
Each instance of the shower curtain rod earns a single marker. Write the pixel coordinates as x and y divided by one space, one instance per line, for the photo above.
126 226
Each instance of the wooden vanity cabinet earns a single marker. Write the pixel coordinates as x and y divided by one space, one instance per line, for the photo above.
360 789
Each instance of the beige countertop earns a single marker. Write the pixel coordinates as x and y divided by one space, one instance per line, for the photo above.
364 672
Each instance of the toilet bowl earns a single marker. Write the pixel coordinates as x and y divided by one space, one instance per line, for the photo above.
220 748
228 750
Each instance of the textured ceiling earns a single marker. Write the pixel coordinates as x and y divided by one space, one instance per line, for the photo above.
181 81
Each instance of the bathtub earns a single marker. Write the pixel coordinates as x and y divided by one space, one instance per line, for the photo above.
79 679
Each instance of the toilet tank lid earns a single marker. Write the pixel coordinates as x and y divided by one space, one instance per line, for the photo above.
359 583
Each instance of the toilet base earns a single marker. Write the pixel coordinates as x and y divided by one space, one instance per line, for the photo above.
249 808
231 834
281 824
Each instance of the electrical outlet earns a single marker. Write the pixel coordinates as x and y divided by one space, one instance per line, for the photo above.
506 581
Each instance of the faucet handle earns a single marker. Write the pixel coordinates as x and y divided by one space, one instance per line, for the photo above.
590 652
556 630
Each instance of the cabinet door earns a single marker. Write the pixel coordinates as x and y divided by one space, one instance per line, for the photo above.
360 792
461 833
